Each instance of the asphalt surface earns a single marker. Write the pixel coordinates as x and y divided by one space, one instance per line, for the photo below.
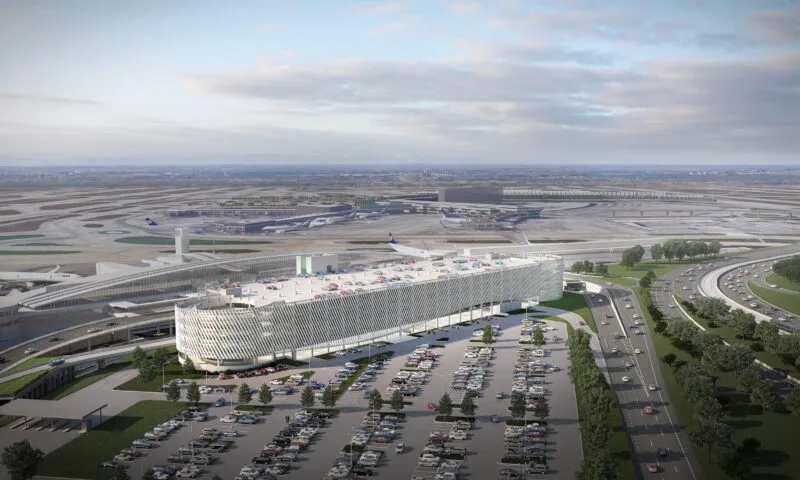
646 432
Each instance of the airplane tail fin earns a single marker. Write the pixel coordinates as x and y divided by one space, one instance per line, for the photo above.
391 239
146 219
525 239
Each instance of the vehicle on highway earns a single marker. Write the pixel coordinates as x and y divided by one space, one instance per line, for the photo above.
28 351
626 379
603 323
628 364
500 395
652 467
637 350
652 387
54 339
648 410
94 330
614 350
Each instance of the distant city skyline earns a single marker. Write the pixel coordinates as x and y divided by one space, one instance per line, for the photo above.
508 82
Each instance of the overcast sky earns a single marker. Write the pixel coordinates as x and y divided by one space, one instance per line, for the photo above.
313 81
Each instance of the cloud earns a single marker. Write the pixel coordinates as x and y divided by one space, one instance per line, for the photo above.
497 107
44 99
464 8
776 26
387 29
382 8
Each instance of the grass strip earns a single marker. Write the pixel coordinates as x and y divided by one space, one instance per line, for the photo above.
13 386
785 301
84 381
31 362
573 302
783 282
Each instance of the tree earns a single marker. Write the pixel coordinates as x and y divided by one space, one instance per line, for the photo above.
396 401
328 397
793 401
714 247
446 405
668 250
711 435
598 465
670 358
468 406
708 408
748 379
517 408
538 336
541 409
307 397
712 308
744 324
645 282
735 463
264 394
244 394
149 474
488 338
588 266
193 393
375 400
188 366
173 392
119 474
139 357
22 460
601 269
147 371
656 252
741 357
160 356
576 267
764 394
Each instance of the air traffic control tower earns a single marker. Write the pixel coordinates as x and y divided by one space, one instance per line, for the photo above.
181 242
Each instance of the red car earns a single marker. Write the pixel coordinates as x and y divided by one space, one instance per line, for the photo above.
581 323
433 406
649 410
437 439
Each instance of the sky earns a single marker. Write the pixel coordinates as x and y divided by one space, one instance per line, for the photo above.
689 82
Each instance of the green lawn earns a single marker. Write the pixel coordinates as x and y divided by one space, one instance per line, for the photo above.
18 237
31 362
783 282
6 419
153 240
82 457
93 225
325 356
573 302
362 365
786 301
172 371
305 374
85 381
13 386
622 281
775 431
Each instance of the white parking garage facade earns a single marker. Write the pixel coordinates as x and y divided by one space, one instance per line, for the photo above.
220 332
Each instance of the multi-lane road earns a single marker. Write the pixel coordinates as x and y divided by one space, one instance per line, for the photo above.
647 433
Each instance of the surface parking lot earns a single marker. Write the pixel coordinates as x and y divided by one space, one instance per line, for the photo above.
450 372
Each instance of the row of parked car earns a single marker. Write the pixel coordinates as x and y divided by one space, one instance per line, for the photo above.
127 455
378 428
277 457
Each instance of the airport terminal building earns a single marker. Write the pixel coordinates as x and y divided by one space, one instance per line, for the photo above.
242 326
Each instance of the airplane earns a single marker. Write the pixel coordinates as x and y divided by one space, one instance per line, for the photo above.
410 251
346 218
287 228
454 221
152 223
524 239
364 215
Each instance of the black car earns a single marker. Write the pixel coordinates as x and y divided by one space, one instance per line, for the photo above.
110 324
262 460
54 339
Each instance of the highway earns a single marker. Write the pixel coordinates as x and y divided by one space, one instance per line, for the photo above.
80 333
647 433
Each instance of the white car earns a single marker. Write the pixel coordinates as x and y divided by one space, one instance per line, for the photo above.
28 351
603 323
614 349
628 305
276 382
626 379
637 350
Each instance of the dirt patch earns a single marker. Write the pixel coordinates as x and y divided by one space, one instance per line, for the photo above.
64 206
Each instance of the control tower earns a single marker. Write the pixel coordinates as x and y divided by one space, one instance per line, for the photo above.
182 242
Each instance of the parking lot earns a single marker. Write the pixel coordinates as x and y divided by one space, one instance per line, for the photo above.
483 442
